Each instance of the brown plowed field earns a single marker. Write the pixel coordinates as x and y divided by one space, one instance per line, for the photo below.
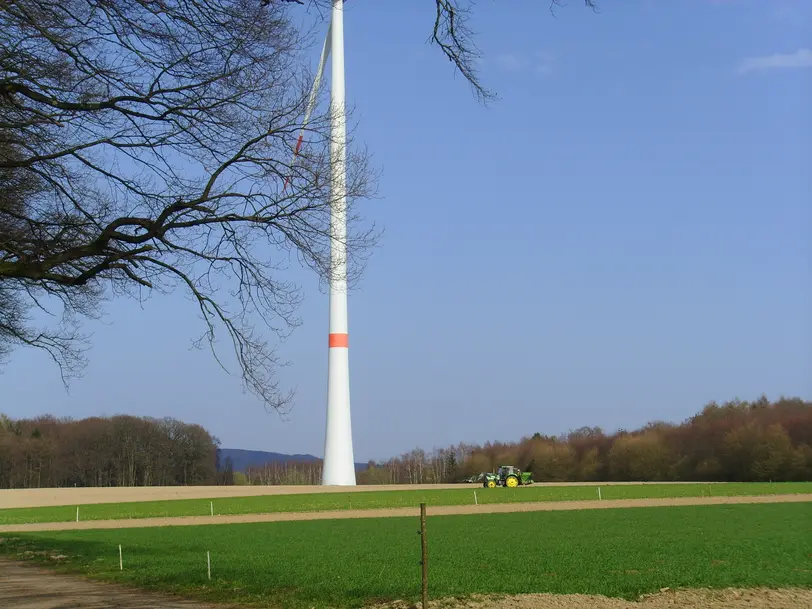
47 497
445 510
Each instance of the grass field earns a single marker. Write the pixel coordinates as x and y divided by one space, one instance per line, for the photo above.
298 565
387 499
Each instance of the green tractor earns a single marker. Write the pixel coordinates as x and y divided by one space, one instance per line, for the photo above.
508 476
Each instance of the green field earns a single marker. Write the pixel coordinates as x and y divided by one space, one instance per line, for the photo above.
299 565
368 500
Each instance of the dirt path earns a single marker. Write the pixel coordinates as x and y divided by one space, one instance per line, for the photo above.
496 508
29 587
49 497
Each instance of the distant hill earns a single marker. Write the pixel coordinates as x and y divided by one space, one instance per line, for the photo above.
243 459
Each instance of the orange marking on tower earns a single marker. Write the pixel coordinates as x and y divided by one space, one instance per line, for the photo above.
339 340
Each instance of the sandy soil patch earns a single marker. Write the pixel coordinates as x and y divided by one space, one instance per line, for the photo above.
757 598
43 497
448 510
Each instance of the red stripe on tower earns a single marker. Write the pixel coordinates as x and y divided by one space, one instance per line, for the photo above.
339 340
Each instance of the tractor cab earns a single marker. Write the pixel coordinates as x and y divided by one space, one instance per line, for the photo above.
508 476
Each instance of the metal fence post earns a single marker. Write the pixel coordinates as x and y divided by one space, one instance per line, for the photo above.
424 561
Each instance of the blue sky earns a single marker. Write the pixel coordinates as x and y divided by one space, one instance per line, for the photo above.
623 237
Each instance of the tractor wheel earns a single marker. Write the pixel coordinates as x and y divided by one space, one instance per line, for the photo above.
512 481
491 484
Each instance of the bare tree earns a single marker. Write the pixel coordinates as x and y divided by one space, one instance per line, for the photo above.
144 145
453 35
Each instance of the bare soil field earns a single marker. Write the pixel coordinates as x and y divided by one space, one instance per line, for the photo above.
446 510
50 497
28 587
757 598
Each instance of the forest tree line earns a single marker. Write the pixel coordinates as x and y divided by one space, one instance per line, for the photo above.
115 451
734 441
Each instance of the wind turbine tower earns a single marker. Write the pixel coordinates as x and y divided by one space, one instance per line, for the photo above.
339 461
